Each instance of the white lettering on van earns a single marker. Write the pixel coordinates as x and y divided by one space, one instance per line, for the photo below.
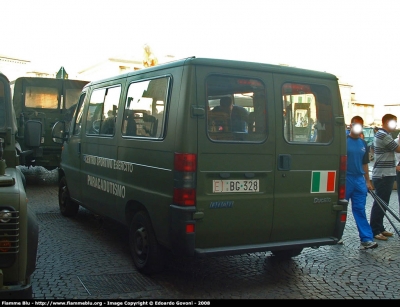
123 166
106 186
105 162
90 159
109 163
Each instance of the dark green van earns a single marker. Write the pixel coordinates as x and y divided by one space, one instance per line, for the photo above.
47 100
19 230
209 157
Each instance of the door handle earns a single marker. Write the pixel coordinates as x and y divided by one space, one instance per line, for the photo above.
284 162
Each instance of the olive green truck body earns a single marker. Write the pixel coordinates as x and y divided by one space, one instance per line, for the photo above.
18 226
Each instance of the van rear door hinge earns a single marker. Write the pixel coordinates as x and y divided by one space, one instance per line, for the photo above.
339 120
197 111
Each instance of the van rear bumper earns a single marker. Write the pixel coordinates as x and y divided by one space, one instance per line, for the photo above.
273 246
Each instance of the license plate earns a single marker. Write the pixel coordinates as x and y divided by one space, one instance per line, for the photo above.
223 186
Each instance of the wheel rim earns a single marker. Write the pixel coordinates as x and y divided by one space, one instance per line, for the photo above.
140 244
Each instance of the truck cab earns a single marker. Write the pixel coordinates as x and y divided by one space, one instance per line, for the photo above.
46 100
18 225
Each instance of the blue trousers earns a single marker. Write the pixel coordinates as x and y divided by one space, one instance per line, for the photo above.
356 192
383 188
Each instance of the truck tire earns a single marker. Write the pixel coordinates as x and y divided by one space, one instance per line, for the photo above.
67 206
147 254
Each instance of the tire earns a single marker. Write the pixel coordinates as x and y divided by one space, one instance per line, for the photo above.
67 206
289 253
148 256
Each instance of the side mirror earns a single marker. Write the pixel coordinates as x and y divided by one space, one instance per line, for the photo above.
33 133
59 133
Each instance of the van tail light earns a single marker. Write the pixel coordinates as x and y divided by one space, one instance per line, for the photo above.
190 228
342 177
185 167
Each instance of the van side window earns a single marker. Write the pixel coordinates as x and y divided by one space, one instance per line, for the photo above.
102 112
79 113
307 113
145 108
236 109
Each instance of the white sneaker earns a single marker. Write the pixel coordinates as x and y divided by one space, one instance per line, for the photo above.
368 245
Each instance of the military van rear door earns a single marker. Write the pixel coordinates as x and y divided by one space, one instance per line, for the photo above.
236 158
308 149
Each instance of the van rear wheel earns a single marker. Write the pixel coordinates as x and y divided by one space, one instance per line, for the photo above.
147 254
67 206
289 253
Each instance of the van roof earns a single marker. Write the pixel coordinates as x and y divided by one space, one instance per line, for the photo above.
243 65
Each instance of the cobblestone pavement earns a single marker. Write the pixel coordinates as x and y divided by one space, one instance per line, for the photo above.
87 257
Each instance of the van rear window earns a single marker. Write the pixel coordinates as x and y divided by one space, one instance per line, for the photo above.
307 113
236 109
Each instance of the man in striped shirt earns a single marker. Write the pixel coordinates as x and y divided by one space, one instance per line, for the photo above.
383 173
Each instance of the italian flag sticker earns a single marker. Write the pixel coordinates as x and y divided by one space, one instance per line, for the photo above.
323 181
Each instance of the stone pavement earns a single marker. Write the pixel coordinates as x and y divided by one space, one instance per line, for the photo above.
87 257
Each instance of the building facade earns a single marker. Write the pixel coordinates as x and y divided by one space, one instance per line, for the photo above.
353 107
13 67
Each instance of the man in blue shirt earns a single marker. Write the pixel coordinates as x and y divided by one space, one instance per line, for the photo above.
358 182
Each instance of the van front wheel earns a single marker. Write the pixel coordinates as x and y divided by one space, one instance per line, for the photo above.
67 206
289 253
147 254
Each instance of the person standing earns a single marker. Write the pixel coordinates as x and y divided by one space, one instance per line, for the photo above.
383 173
358 182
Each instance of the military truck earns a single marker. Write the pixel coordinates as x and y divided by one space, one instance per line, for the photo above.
18 226
47 100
